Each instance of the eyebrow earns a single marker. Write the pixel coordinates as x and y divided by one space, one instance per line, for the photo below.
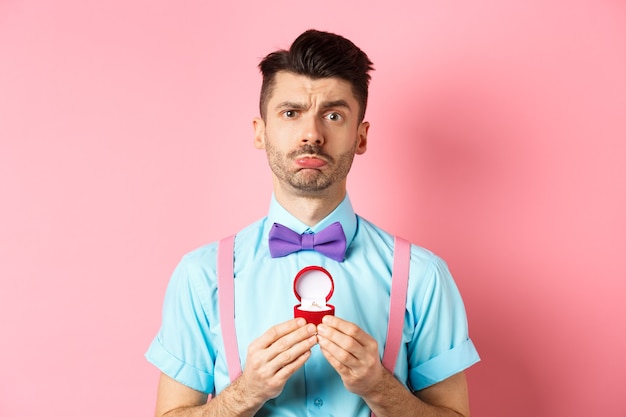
301 106
335 103
291 105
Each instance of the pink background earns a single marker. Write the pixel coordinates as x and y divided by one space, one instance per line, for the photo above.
498 140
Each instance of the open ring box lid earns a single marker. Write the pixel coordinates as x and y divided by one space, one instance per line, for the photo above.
313 287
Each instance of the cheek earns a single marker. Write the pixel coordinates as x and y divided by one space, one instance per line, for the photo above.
343 138
281 133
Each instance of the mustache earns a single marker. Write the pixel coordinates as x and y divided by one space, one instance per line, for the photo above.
310 149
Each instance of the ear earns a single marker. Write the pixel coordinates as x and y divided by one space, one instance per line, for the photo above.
259 132
361 146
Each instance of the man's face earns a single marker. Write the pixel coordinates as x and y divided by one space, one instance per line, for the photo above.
311 132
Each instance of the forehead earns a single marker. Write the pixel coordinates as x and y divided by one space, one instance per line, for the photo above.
295 87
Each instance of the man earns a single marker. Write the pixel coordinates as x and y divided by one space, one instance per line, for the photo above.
312 106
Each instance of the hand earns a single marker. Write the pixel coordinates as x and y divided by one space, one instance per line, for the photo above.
274 357
352 352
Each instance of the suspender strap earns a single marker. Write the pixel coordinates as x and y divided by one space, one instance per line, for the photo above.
226 301
399 284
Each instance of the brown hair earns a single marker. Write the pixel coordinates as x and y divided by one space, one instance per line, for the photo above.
319 54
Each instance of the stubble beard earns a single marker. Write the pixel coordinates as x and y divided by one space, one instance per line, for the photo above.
309 180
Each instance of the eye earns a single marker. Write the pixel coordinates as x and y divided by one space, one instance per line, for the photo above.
334 117
290 114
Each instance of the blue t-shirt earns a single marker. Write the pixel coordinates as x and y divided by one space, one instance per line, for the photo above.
189 345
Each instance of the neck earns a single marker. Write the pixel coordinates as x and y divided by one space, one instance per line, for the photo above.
310 208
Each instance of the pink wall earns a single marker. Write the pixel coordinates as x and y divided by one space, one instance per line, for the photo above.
498 138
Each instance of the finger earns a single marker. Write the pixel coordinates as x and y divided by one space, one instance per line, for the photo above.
292 366
292 351
297 339
276 332
334 339
284 350
350 331
264 364
280 368
344 327
339 348
329 350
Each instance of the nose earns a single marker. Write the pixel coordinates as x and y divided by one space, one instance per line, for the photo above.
313 132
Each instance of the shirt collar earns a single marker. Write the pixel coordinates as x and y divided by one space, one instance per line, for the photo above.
344 214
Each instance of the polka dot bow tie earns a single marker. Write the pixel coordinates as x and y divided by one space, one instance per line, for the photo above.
330 242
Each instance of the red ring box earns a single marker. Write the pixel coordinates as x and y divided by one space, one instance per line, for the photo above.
313 287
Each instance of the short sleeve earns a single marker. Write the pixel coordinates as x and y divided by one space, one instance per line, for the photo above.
440 346
182 348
